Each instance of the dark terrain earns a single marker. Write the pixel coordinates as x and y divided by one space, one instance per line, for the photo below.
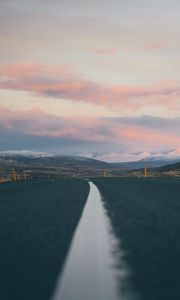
80 167
52 166
149 163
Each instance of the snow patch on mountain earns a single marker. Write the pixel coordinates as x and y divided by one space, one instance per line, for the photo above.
133 157
25 153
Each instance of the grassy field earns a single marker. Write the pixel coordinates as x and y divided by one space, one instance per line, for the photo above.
145 214
37 222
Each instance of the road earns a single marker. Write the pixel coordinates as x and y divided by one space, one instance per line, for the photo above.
90 271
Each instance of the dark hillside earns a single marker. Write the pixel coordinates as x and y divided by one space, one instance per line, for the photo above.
54 166
149 163
171 167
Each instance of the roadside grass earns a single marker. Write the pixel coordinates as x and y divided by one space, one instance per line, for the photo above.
145 214
37 222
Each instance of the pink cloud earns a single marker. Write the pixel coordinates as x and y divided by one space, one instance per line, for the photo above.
60 82
30 70
37 123
112 131
155 46
150 137
105 51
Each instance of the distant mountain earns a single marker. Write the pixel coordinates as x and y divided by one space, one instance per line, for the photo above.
27 153
171 167
41 165
137 160
49 160
149 163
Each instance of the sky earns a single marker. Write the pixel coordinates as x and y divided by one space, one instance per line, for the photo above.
95 78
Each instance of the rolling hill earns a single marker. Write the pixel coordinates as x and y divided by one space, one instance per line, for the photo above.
149 163
171 167
42 165
63 166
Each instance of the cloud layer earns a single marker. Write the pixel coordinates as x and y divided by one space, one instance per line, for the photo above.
61 82
105 51
91 59
132 134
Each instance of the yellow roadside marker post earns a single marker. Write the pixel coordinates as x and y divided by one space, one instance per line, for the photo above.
145 172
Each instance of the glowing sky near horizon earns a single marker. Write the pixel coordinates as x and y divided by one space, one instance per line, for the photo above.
90 76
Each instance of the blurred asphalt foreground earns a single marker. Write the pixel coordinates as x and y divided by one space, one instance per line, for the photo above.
145 214
37 222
